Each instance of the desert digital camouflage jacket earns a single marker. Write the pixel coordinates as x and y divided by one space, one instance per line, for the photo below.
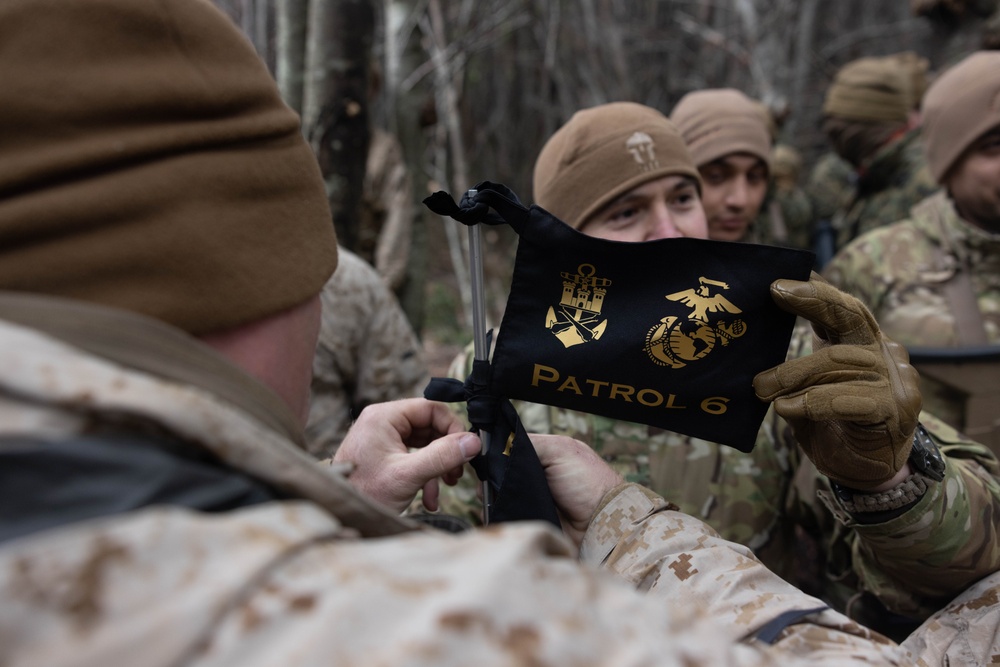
894 180
906 274
294 582
367 353
768 500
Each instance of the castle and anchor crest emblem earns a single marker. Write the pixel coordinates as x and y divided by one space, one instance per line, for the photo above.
577 318
677 341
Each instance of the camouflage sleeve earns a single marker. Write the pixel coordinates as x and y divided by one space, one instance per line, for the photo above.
646 541
286 584
391 363
917 562
965 632
860 269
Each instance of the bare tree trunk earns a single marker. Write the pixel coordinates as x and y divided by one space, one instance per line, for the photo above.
335 103
447 104
290 49
802 62
262 31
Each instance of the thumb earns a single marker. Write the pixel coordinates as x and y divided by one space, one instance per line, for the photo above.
442 455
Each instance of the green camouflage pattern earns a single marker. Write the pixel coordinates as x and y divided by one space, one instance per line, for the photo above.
895 179
915 563
767 500
830 186
785 220
902 272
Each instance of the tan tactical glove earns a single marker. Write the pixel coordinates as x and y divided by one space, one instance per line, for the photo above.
853 403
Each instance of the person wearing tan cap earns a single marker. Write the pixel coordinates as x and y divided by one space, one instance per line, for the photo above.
619 165
933 280
730 143
868 121
164 235
640 189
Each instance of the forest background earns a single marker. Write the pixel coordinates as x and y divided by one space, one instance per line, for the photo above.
473 88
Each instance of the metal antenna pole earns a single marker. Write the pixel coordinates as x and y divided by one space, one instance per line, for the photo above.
481 352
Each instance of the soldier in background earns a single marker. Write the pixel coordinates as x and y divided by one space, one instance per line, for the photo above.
767 498
729 141
162 257
367 353
868 120
933 280
830 189
787 201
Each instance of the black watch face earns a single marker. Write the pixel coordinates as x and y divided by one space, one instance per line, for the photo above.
925 456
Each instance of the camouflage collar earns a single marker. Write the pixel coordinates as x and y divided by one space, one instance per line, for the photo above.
891 164
153 347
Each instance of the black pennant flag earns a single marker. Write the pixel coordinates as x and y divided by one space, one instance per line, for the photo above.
668 333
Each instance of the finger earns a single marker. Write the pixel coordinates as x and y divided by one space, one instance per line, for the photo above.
439 457
553 448
452 476
832 365
421 421
836 316
431 493
831 403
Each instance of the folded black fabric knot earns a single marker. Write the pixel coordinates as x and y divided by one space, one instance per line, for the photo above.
483 409
487 203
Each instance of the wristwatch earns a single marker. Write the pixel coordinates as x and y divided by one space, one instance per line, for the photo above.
927 465
925 456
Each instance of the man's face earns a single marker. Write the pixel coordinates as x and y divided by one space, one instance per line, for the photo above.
733 191
665 208
974 182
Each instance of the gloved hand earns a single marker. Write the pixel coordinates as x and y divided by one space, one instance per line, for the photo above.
853 403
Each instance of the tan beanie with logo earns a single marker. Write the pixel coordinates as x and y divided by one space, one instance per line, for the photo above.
960 106
147 162
716 123
602 153
871 90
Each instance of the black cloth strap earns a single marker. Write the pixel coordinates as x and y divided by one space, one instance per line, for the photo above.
511 466
773 628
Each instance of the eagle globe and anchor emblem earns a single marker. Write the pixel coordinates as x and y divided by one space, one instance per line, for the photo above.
676 341
577 318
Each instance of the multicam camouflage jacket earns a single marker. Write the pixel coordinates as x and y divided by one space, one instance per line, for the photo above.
296 582
895 179
367 353
785 219
768 500
830 187
908 274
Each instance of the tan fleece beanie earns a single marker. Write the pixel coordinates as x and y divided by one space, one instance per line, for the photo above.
602 153
148 163
716 123
870 90
916 68
960 106
786 166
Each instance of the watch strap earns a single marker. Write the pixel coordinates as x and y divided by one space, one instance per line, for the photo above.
907 492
